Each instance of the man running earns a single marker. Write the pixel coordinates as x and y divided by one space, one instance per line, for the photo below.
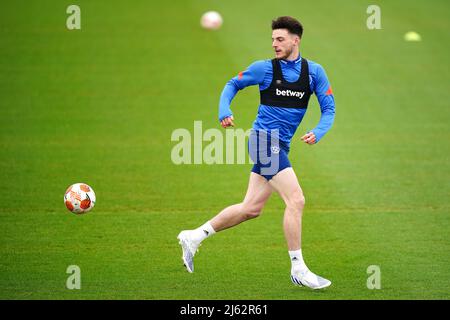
286 84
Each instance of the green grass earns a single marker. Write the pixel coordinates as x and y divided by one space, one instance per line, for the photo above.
99 105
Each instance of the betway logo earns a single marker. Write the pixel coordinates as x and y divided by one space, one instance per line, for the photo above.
289 93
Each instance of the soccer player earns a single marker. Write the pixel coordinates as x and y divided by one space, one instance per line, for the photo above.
286 84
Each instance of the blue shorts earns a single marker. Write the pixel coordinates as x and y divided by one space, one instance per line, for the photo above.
268 153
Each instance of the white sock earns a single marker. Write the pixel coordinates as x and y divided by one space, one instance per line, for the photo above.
297 260
203 232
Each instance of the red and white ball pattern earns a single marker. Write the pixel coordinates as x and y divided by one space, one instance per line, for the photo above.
79 198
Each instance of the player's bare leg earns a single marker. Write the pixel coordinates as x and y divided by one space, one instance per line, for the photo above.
258 191
287 185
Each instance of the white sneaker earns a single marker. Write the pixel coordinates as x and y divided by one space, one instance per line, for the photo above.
190 247
308 279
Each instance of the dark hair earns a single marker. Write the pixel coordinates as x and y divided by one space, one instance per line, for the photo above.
291 24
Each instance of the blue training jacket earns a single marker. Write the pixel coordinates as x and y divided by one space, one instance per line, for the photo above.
286 120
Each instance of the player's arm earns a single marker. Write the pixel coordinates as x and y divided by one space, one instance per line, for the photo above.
322 89
253 75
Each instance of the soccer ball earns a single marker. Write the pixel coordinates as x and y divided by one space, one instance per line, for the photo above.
79 198
211 20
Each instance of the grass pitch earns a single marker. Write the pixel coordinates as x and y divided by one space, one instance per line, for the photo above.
98 105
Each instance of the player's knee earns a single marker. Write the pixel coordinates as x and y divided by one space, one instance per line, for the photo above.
252 214
296 202
251 211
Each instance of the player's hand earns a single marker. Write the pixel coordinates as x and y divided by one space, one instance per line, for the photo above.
309 138
227 122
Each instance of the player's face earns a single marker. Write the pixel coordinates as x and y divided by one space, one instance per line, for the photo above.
284 43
